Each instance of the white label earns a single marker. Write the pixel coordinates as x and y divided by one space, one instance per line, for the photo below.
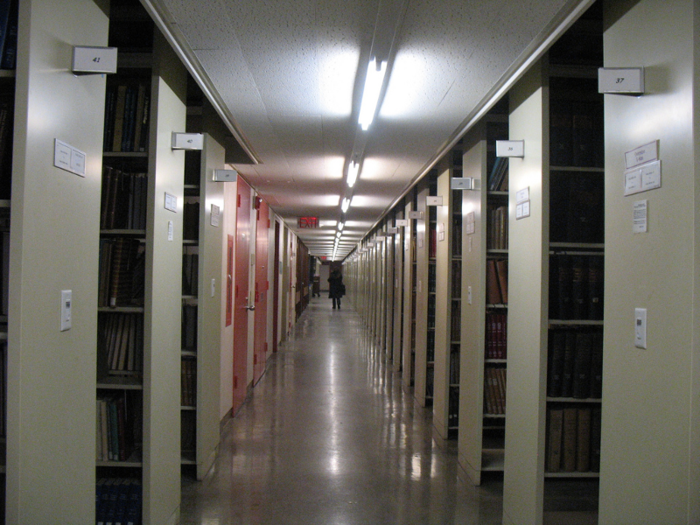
522 195
621 80
170 203
522 210
651 176
510 148
68 158
401 222
415 215
461 183
94 59
633 182
642 154
646 178
171 230
433 201
215 215
441 236
640 223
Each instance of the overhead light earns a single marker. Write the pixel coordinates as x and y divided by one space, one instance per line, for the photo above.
339 234
346 204
370 94
341 225
353 172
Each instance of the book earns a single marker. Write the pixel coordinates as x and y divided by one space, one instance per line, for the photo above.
9 48
569 437
555 428
581 382
567 381
595 288
596 375
583 440
493 293
579 286
555 362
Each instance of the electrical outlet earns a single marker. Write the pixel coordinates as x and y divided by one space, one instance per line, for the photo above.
66 309
640 327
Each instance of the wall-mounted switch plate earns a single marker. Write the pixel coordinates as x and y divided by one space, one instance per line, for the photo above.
640 327
66 309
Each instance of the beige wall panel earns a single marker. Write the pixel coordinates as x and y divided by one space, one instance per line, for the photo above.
54 243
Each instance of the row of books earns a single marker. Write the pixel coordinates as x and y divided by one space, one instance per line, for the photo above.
3 389
453 408
188 430
127 110
124 200
120 340
576 287
429 382
497 228
9 10
575 364
457 236
576 207
498 176
430 347
576 133
4 267
7 118
456 291
457 202
190 274
454 365
455 322
497 281
115 426
122 272
494 391
496 335
189 327
190 218
118 501
188 382
573 439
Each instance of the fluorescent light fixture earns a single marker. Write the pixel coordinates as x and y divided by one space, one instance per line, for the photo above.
346 204
353 172
370 94
341 225
338 234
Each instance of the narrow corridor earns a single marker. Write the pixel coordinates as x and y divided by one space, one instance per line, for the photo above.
330 437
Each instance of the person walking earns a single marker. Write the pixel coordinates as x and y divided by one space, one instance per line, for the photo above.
336 288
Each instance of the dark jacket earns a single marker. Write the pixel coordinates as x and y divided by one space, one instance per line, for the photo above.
336 287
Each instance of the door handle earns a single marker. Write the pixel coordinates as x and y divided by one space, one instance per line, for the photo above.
249 307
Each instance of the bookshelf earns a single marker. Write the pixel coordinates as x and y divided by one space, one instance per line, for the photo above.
202 276
555 315
448 299
482 418
139 318
425 294
8 53
399 297
409 296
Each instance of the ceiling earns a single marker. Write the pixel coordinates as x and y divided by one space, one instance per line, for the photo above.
287 78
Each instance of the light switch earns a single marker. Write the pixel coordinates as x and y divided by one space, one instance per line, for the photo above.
66 308
640 327
469 294
213 287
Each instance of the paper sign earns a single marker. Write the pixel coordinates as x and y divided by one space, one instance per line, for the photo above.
640 222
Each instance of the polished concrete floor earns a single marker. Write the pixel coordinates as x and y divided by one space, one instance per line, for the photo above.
329 437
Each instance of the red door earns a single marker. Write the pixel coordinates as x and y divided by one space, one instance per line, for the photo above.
241 296
262 286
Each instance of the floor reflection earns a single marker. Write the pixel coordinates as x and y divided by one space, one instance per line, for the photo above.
329 436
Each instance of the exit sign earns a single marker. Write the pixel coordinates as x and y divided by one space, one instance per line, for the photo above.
308 222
